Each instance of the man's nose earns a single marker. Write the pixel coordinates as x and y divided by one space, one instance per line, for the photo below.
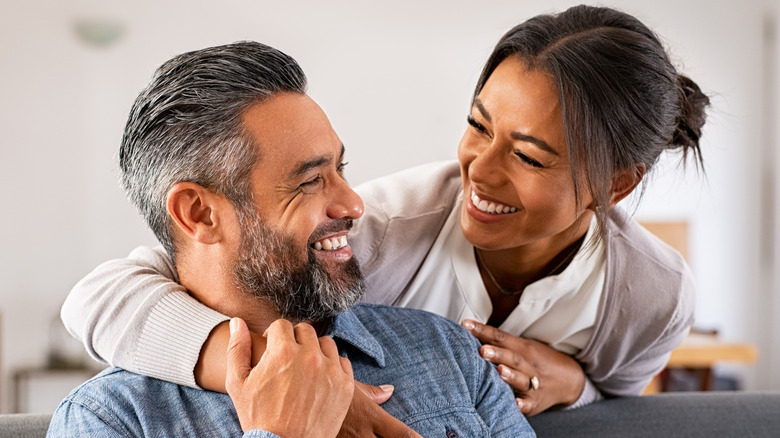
346 204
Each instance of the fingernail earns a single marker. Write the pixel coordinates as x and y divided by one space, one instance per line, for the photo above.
519 403
233 325
468 325
387 388
488 353
505 373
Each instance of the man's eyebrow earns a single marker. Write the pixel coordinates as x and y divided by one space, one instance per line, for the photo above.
541 144
306 166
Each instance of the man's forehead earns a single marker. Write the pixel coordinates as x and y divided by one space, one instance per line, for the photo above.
292 133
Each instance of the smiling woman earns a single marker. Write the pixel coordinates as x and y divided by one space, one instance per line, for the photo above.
522 241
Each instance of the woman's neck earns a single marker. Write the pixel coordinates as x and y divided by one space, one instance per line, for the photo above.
507 272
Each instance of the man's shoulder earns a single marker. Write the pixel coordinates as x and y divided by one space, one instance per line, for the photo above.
120 387
411 323
400 313
112 378
442 385
120 402
111 403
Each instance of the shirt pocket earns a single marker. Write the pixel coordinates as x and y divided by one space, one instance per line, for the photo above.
454 422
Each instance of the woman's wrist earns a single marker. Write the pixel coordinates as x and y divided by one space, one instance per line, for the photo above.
211 368
589 394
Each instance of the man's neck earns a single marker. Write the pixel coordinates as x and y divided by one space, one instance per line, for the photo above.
321 326
259 317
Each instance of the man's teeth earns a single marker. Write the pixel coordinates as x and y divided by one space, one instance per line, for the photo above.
331 244
491 207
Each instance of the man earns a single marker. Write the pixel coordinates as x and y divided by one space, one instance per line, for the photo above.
240 175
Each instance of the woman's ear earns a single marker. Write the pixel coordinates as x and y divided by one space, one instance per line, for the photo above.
625 182
196 212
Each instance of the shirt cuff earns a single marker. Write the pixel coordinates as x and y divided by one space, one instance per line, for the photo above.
257 433
171 339
590 394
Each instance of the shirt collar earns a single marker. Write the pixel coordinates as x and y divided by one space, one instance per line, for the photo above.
586 261
348 328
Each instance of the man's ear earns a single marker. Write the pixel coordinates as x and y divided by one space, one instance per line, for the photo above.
197 212
625 182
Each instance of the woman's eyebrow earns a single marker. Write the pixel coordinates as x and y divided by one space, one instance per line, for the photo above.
516 135
541 144
482 110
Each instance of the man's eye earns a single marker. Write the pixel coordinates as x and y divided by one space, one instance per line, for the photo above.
341 167
312 182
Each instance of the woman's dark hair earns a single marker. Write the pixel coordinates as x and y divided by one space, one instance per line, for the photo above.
623 101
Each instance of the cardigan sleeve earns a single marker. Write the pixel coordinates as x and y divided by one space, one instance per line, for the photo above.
646 310
652 344
131 313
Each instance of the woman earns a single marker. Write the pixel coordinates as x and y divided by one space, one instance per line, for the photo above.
570 113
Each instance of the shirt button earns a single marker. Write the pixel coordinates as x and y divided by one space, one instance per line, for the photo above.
452 434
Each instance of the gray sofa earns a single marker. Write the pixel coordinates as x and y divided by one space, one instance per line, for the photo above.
670 414
24 425
680 414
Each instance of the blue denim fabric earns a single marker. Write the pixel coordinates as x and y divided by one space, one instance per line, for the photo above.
442 386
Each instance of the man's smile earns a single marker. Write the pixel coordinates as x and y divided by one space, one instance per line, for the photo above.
331 238
331 243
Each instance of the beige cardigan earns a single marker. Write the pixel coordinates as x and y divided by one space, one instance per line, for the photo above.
128 311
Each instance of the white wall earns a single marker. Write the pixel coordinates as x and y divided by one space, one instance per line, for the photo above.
395 79
770 297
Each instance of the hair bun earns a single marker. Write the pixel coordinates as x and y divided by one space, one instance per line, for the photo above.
693 105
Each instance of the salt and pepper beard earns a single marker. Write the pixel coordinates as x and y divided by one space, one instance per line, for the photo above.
269 268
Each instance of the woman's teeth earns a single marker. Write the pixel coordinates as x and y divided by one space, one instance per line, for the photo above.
491 207
331 244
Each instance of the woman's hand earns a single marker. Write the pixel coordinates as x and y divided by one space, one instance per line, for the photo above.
367 418
540 376
300 387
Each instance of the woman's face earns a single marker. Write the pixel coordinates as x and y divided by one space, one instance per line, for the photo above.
517 180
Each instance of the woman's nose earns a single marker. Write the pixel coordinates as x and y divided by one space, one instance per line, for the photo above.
486 164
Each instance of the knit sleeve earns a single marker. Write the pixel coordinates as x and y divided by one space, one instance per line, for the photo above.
131 313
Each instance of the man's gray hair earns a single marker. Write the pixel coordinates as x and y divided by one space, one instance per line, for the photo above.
186 125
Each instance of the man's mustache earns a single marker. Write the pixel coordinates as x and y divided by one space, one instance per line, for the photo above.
330 227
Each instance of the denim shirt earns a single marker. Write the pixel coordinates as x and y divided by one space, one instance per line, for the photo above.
443 388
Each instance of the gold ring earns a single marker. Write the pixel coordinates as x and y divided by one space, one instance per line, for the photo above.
534 383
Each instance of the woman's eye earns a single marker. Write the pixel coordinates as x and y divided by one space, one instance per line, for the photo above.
528 160
475 124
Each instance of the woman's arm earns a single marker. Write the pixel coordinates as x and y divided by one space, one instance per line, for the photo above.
128 312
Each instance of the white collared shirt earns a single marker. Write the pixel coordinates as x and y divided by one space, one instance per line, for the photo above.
559 310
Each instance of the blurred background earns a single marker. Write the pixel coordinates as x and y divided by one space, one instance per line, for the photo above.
396 80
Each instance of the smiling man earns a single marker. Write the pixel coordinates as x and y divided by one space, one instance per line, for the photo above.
240 175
